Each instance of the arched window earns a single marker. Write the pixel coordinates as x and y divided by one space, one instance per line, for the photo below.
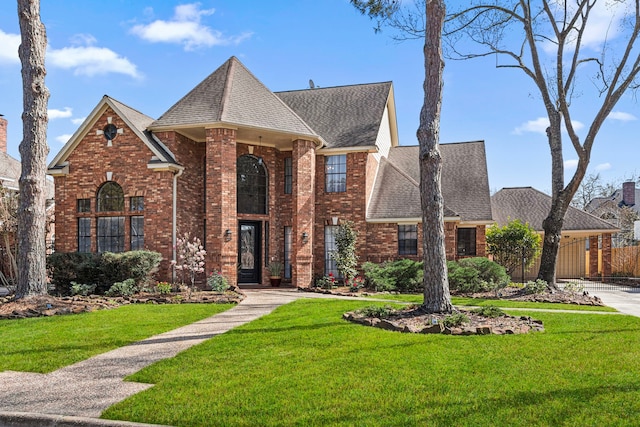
110 198
251 185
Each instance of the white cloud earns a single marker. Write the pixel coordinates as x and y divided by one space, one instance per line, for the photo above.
59 114
9 44
540 125
78 121
570 164
91 61
186 29
63 139
622 116
603 166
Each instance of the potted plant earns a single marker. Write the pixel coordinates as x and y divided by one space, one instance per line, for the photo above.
275 272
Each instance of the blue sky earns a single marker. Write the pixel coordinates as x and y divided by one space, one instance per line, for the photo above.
148 54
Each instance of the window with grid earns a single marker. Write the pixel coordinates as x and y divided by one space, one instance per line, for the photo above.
407 239
251 185
466 241
84 205
335 170
110 234
136 204
288 247
110 198
330 266
84 234
288 175
137 233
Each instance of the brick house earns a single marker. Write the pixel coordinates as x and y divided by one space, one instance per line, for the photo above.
260 176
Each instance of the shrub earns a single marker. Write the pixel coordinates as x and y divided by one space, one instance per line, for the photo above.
456 319
489 311
125 288
381 312
217 282
403 275
164 288
476 275
103 270
573 288
512 243
537 287
345 253
325 282
82 289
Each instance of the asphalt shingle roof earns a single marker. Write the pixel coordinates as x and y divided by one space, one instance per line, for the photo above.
532 206
231 94
465 183
345 116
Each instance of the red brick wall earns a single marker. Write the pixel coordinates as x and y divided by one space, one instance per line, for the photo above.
304 211
127 159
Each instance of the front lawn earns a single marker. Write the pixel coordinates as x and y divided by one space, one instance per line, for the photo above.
45 344
483 302
304 365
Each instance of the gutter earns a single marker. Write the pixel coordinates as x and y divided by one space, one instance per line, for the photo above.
174 221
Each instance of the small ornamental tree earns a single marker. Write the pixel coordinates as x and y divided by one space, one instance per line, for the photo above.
512 243
345 253
191 255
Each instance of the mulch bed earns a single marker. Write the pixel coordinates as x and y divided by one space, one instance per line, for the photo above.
47 305
414 320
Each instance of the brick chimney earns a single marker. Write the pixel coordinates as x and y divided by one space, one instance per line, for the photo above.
629 193
3 134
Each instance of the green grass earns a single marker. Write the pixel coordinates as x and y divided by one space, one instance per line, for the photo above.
303 365
48 343
482 302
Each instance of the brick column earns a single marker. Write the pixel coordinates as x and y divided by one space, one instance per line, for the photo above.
481 241
593 256
450 240
221 207
606 255
303 159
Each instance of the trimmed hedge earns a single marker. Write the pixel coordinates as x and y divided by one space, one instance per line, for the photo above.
102 270
403 275
475 275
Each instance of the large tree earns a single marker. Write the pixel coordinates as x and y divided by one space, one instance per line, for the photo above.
558 44
437 297
33 153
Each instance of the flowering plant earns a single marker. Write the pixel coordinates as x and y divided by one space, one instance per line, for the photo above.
190 253
326 282
355 284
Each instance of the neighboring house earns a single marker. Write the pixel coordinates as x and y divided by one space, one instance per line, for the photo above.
620 209
10 171
260 176
581 232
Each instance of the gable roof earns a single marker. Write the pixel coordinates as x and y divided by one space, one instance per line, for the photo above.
612 202
532 206
345 116
465 184
135 120
233 95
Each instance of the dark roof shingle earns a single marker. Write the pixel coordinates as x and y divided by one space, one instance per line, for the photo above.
465 183
532 206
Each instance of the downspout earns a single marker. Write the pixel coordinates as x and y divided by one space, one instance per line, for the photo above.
174 220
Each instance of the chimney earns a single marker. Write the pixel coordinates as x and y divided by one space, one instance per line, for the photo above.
629 193
3 134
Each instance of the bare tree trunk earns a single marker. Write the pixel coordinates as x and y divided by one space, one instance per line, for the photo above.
33 153
436 284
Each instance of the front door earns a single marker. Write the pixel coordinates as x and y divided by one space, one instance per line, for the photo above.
249 252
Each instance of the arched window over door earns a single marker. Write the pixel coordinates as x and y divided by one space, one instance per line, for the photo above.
251 185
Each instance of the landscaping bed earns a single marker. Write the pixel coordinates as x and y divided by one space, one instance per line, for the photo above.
48 305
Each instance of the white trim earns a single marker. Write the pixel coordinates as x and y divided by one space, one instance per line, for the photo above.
160 167
345 150
407 220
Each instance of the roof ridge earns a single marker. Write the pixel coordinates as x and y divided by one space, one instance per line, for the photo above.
228 83
401 172
334 87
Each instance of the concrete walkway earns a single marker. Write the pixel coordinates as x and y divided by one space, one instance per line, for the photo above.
76 395
87 388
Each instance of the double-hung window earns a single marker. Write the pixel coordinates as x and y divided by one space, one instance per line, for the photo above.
335 169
